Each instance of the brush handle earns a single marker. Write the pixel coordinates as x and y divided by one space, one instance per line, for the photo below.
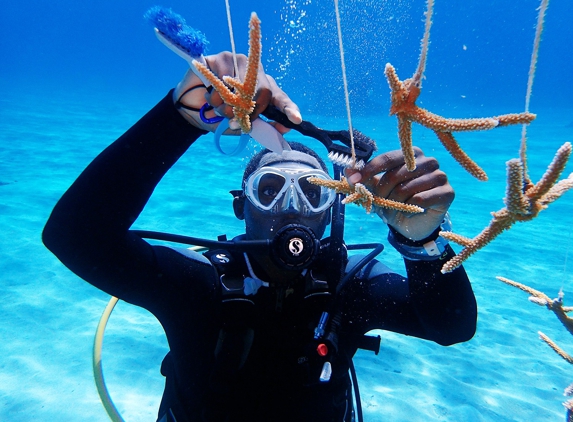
327 137
184 55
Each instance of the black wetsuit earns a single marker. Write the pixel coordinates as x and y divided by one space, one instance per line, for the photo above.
89 232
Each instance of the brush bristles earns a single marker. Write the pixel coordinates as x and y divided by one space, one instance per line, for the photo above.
345 160
173 27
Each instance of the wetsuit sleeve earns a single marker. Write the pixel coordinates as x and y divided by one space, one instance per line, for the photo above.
427 304
88 229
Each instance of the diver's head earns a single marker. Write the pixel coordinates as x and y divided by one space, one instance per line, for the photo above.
276 193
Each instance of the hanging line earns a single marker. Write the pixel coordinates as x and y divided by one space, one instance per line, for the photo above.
534 55
346 96
531 76
532 67
228 7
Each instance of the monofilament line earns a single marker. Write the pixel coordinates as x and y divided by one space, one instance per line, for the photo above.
340 45
228 7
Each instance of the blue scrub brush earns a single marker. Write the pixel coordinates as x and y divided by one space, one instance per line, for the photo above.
172 30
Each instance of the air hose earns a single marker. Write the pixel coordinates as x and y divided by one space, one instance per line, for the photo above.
96 360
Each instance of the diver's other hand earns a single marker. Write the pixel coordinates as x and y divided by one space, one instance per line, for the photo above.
222 64
427 186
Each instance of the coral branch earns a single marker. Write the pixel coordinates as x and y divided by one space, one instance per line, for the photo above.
242 99
404 95
556 348
360 195
522 203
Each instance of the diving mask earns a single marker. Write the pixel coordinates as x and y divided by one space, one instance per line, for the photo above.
286 189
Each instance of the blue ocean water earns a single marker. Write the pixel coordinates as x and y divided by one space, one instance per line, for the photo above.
75 76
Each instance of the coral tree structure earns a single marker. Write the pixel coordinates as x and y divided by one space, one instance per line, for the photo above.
524 200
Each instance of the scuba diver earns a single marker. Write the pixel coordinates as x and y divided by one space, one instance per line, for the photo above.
262 327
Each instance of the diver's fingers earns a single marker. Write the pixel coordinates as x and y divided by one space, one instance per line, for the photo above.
438 198
388 161
263 94
427 190
280 128
399 184
213 97
222 64
380 164
377 165
283 102
262 99
221 109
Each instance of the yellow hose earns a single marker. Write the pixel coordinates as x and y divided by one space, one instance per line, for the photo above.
97 368
96 362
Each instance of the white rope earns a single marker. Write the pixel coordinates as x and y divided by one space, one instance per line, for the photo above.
343 65
534 55
531 76
228 7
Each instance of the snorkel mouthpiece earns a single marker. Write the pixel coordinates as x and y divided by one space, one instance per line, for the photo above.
294 247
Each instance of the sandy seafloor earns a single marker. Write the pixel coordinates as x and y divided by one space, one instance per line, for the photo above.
48 316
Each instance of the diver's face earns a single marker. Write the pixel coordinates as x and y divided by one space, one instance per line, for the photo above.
283 197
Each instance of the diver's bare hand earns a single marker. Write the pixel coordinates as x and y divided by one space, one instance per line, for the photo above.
427 186
221 64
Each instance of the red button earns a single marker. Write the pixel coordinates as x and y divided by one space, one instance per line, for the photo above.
322 349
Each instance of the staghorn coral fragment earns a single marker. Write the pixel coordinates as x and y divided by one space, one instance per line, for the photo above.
360 195
523 203
404 95
556 348
242 98
556 306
